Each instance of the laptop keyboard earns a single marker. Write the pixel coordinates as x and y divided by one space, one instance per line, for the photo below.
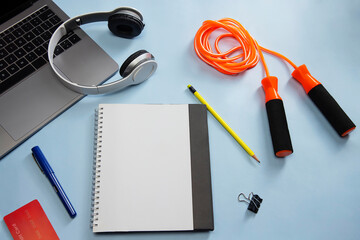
23 46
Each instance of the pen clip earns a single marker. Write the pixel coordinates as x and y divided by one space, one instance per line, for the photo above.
37 163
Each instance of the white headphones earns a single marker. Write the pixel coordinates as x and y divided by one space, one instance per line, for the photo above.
124 22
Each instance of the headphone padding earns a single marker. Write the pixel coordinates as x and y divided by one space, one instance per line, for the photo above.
131 58
125 25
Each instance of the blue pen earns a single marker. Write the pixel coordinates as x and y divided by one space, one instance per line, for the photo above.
49 173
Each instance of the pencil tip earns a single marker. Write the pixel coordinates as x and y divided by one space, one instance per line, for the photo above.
254 156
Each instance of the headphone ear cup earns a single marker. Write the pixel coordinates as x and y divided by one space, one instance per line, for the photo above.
130 63
125 25
133 61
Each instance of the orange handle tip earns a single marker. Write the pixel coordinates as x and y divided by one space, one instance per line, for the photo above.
270 85
303 76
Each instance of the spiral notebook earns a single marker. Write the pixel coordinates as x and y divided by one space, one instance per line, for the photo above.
151 168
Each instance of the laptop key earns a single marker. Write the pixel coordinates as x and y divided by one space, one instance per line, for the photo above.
18 32
58 50
37 41
20 42
10 59
29 36
31 57
46 25
3 53
29 47
9 38
12 69
27 19
3 65
2 43
36 21
74 38
38 30
55 20
20 53
22 62
11 47
66 44
27 27
46 35
38 63
17 77
3 75
40 51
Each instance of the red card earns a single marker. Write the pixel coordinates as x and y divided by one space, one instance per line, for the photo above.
30 222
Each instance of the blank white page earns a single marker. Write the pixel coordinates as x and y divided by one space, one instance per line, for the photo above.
145 178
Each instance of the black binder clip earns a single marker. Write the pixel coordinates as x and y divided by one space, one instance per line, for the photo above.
253 200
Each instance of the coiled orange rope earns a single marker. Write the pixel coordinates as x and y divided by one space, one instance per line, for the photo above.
250 54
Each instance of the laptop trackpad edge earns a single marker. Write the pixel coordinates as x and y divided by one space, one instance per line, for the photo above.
32 102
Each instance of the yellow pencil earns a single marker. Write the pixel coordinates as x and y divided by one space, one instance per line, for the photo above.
223 123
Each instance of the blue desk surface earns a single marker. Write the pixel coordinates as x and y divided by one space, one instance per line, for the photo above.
312 194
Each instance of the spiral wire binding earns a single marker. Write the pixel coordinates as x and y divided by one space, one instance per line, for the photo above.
96 167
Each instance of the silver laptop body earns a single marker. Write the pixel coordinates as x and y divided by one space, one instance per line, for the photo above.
34 101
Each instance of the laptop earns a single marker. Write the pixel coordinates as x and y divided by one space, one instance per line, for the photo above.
30 93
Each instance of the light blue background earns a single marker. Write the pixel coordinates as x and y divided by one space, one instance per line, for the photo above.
312 194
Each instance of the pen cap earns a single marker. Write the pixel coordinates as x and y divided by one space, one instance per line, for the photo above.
277 119
328 106
41 160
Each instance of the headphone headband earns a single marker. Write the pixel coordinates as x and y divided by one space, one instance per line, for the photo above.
145 65
75 22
